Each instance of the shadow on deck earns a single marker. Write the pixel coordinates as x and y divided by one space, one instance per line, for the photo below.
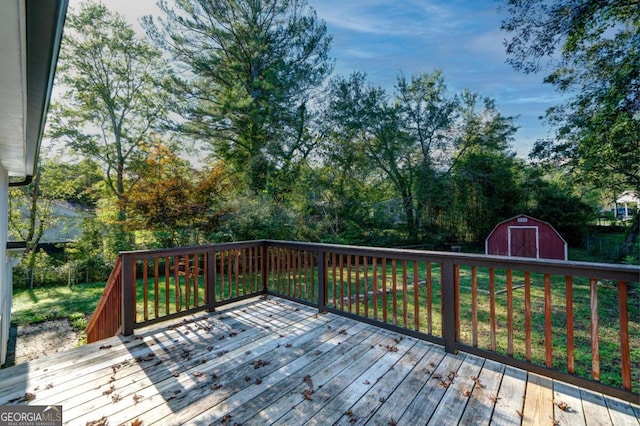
272 361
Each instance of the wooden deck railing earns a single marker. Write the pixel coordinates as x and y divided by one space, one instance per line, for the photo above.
106 320
578 322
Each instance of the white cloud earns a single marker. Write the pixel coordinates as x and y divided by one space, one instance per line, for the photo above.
384 17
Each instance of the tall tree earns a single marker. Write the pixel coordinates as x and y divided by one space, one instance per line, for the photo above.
249 69
593 51
365 131
414 140
110 101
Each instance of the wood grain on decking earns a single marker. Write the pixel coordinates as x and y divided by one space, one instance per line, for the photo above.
270 361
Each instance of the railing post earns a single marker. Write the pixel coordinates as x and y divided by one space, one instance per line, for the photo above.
265 267
128 295
322 281
449 308
211 280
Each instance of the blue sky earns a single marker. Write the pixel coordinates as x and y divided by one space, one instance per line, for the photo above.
386 37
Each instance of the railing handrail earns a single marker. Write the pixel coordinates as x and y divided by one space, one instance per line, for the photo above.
614 271
178 251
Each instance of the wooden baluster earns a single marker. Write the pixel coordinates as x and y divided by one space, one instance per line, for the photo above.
595 343
569 309
374 285
357 285
405 313
243 251
187 282
205 276
221 272
394 290
509 312
492 307
341 265
625 355
276 269
429 300
416 296
236 271
365 267
229 275
167 278
547 321
527 315
258 279
474 305
349 293
249 270
305 279
145 288
312 265
290 278
384 289
176 273
456 298
300 274
156 299
196 279
333 267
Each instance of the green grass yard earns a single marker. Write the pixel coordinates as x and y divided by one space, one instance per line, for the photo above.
46 303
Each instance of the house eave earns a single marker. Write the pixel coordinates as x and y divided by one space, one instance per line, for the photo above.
31 33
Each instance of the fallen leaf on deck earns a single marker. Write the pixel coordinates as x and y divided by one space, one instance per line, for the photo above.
100 422
29 396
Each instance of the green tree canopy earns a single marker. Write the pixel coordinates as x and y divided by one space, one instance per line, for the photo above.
247 71
109 102
593 51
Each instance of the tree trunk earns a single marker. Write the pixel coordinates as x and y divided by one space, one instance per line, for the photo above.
409 210
632 237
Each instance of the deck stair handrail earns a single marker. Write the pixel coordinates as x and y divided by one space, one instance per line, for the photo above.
106 320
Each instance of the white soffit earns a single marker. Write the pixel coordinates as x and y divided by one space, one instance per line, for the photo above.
13 86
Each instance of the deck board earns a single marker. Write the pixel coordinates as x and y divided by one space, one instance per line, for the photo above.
538 405
509 406
272 361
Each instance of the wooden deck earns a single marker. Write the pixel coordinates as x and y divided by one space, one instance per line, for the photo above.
270 361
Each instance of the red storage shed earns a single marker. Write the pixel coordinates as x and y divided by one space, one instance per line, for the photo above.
524 236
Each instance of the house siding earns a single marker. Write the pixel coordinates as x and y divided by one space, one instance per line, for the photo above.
5 269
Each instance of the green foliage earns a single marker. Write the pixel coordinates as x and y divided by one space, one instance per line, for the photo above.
175 202
254 217
109 103
593 52
567 213
445 155
249 73
253 66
